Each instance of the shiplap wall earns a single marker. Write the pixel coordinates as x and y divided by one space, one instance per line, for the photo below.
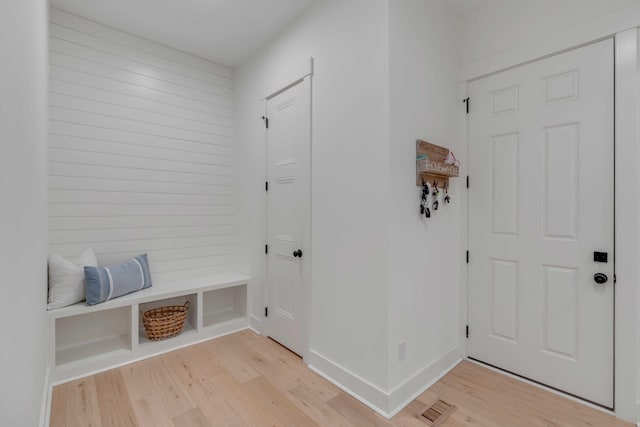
142 151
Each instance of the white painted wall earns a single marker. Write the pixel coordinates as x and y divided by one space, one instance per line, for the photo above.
385 75
23 217
507 24
511 32
350 168
142 151
425 254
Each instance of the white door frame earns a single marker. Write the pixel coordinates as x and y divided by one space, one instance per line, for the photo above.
301 74
627 208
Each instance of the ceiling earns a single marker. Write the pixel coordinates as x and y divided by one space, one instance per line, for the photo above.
224 31
466 6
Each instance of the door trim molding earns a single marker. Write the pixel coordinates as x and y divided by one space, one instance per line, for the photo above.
289 77
627 223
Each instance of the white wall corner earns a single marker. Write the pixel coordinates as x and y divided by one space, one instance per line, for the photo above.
256 324
387 404
404 393
359 388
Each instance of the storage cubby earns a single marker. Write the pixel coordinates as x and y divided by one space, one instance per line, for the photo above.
190 324
92 335
223 305
88 339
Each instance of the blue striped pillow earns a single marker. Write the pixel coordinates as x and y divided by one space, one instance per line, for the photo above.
105 283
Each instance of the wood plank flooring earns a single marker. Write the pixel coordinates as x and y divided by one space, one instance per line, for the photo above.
245 380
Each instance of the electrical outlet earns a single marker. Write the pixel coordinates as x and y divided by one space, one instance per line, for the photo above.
402 351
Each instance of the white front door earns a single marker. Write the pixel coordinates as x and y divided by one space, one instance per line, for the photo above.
288 139
541 146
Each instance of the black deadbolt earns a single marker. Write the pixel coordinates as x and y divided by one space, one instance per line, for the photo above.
600 257
600 278
297 254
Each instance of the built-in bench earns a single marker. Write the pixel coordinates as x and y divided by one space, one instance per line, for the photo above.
88 339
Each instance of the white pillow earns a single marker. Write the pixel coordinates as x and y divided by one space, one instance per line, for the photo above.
66 279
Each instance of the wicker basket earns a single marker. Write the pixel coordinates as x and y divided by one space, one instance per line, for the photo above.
164 322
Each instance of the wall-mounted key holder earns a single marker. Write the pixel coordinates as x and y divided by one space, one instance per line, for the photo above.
435 164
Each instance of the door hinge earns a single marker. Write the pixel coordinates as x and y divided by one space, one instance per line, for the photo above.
266 121
467 102
266 312
467 331
266 249
615 279
266 186
467 181
467 257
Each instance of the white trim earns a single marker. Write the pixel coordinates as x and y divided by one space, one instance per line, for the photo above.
305 180
354 385
406 392
627 252
289 77
148 355
45 405
463 136
387 404
604 26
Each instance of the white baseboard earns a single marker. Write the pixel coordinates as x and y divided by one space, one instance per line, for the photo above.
367 393
45 406
123 359
387 404
407 391
256 324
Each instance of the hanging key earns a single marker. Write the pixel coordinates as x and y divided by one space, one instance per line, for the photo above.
435 193
447 198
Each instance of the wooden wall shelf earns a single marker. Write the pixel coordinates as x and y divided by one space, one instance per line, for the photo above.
432 165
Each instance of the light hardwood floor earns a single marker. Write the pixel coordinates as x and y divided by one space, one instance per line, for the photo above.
246 380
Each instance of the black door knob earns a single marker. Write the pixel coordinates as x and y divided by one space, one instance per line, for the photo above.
297 254
600 278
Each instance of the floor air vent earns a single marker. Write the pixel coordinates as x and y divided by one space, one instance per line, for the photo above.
437 413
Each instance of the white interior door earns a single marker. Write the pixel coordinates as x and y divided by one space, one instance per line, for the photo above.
541 197
288 141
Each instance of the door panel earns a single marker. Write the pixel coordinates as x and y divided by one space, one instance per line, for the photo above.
286 165
540 203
